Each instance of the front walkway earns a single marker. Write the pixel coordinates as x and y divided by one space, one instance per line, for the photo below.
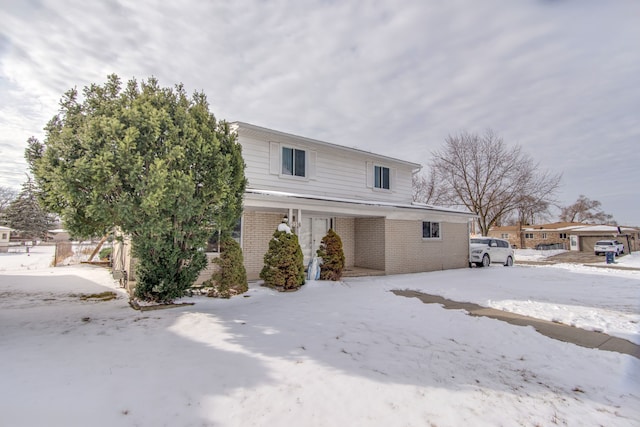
558 331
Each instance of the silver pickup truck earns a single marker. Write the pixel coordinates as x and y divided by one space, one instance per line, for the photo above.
604 246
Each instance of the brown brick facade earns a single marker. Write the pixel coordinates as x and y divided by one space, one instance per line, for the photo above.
531 238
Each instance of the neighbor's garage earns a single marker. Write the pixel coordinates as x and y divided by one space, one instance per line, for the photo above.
588 242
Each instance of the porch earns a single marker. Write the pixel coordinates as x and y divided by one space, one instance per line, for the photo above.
361 272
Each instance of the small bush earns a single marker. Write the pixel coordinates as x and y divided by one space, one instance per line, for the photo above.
283 263
231 278
332 256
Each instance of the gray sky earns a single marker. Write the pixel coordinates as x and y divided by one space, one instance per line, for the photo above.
561 78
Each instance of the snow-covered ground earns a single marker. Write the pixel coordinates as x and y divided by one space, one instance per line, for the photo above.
347 353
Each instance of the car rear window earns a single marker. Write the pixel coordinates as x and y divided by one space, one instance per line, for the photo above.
604 243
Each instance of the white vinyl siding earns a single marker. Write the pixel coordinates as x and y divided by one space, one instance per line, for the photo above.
330 173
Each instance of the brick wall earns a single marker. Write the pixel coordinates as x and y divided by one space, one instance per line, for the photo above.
536 239
257 231
208 271
408 252
345 227
370 243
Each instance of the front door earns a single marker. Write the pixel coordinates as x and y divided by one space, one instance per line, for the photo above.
311 233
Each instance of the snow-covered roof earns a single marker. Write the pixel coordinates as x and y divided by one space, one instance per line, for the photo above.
606 228
566 226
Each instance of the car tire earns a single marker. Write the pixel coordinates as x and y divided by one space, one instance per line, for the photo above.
486 261
509 262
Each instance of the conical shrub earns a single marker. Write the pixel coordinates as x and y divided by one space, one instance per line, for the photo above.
283 263
231 278
332 256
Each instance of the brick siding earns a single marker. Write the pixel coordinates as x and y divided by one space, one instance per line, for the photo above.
408 252
370 243
257 231
514 239
345 228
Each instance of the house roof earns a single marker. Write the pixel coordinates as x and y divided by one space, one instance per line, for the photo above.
3 228
242 127
505 228
554 226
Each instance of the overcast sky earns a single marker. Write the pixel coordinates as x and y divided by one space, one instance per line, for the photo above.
561 78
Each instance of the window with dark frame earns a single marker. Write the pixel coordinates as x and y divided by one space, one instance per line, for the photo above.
213 243
381 177
293 162
430 230
528 235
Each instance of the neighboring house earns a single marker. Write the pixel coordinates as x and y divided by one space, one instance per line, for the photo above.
365 197
574 236
585 237
5 236
530 236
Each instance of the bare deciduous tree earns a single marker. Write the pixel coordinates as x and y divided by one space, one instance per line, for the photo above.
587 211
482 174
427 190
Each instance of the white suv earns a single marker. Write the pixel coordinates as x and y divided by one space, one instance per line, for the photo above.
485 250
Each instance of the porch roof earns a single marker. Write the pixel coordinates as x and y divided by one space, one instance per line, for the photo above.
256 199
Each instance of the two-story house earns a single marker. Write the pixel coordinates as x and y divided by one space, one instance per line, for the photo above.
365 197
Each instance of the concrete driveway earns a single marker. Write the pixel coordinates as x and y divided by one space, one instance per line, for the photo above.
576 258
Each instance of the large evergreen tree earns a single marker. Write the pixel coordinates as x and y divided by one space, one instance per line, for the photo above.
150 160
25 215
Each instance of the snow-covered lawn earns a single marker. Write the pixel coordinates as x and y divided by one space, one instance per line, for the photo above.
331 354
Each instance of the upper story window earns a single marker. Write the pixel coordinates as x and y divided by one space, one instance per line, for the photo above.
381 177
504 235
563 235
528 235
293 162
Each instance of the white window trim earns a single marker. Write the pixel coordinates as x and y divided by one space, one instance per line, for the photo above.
275 161
431 238
371 179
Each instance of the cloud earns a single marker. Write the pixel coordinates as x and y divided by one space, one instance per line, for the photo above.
558 78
